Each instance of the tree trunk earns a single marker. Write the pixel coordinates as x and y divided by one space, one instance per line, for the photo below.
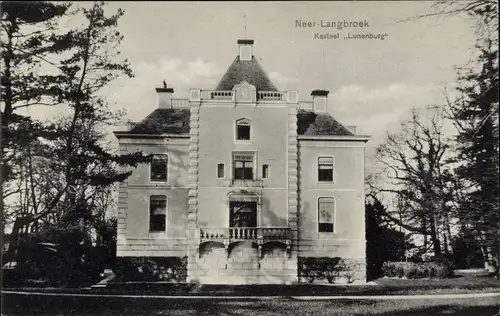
19 225
435 239
498 254
448 231
7 112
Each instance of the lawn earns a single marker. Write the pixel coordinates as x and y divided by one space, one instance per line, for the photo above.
59 305
384 286
283 304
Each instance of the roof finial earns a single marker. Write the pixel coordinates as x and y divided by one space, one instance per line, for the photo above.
245 23
325 71
164 84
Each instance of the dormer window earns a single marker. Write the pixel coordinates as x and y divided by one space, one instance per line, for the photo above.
243 129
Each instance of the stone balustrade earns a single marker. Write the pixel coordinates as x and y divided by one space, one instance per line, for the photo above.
216 95
270 96
230 234
228 95
306 105
180 104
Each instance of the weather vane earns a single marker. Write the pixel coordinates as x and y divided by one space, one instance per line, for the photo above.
245 25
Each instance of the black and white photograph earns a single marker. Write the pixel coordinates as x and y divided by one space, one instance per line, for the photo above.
249 158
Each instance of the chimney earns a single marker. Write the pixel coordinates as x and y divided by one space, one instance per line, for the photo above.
246 49
319 100
165 96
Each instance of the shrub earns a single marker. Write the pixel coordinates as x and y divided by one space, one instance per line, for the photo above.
412 270
321 268
171 269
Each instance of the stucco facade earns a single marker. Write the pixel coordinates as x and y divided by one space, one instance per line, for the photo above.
250 179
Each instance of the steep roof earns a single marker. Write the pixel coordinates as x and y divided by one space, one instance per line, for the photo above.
320 124
246 70
164 121
176 121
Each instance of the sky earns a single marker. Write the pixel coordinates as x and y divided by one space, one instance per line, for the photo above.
372 83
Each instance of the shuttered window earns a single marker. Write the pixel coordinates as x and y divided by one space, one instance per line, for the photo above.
325 169
243 164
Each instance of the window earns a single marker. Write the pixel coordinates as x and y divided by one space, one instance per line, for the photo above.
243 164
242 214
157 213
220 171
243 129
159 168
325 169
326 209
265 171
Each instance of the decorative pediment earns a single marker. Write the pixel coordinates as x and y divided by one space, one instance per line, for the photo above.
245 93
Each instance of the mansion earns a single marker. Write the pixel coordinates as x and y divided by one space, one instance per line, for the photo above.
245 181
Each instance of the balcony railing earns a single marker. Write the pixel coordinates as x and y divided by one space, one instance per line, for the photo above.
216 95
305 105
245 233
270 96
180 103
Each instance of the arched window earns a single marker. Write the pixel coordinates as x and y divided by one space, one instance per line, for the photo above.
157 213
159 168
243 129
326 214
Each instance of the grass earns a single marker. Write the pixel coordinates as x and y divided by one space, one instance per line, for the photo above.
14 305
462 284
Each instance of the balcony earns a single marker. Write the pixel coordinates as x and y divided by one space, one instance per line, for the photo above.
256 234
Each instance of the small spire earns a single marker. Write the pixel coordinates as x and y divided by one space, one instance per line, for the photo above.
325 71
164 84
245 24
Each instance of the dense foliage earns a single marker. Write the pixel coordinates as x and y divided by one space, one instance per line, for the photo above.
171 269
444 191
419 270
60 173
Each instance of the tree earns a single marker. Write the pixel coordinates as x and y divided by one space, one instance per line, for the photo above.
74 147
29 39
476 116
484 12
417 173
383 243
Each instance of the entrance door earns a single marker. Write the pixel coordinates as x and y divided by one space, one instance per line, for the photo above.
242 214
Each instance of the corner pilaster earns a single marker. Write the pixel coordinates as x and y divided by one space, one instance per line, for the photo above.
292 158
192 215
121 229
